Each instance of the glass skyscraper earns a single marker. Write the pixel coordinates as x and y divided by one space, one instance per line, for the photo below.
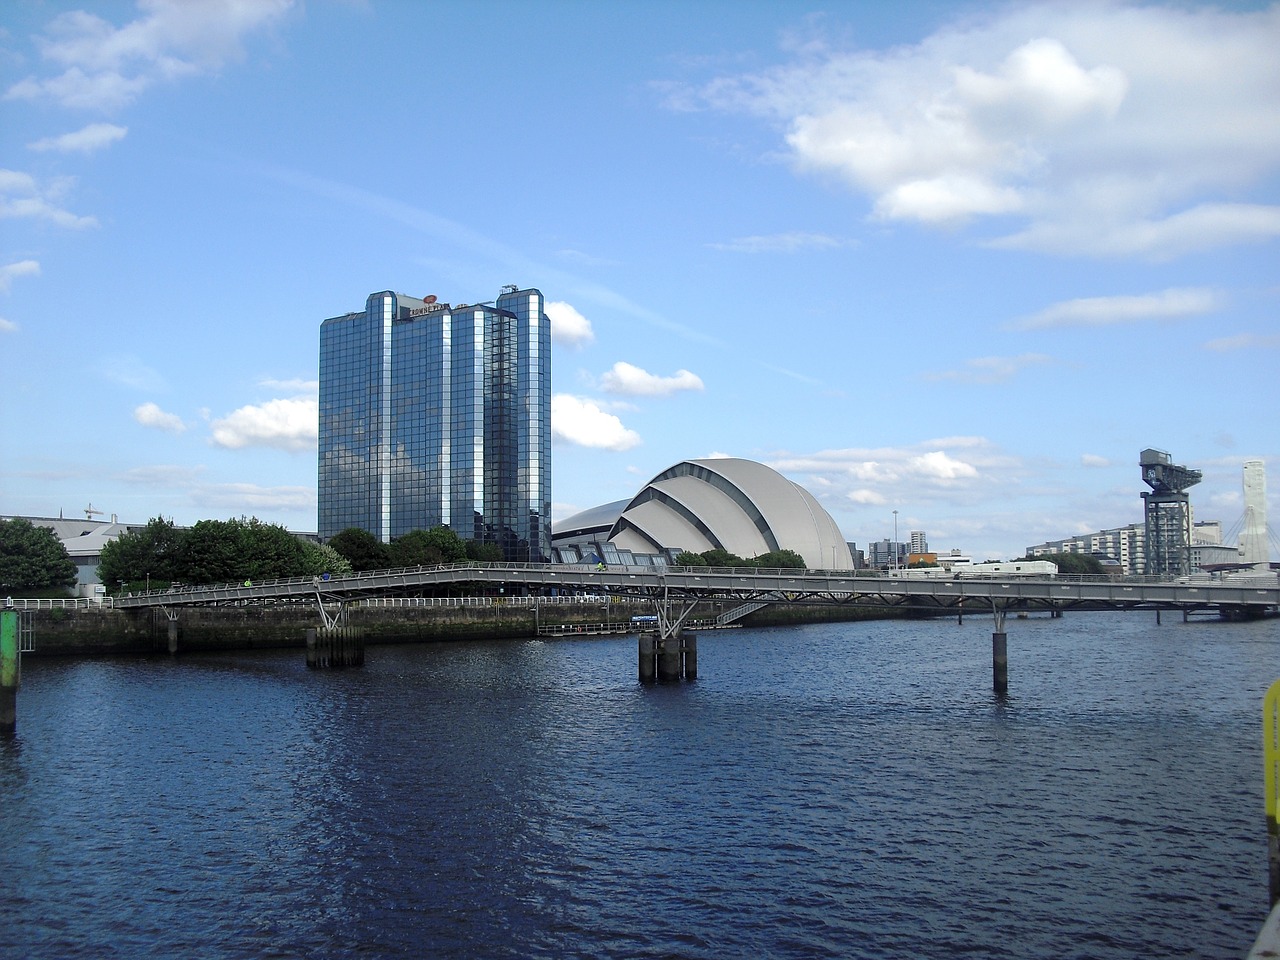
439 415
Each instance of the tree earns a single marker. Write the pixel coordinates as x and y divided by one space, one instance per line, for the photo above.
33 558
361 548
415 548
320 558
214 553
686 559
486 552
723 558
781 559
269 551
155 552
1073 563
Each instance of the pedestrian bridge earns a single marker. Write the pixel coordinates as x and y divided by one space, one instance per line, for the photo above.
675 590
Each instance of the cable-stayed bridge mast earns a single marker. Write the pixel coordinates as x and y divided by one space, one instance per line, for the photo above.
1167 511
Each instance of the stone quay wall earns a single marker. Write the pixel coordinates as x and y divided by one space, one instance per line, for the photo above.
103 630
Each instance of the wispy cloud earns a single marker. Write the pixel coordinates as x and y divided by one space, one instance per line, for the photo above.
130 371
23 268
1169 304
24 197
86 140
1244 341
631 381
989 370
780 243
479 244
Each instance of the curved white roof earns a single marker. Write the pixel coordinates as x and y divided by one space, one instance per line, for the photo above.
740 506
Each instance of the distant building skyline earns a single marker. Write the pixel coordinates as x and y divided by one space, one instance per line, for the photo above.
438 415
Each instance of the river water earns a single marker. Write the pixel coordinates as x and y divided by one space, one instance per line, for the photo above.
837 790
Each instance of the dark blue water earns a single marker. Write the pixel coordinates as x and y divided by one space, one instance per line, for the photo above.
847 790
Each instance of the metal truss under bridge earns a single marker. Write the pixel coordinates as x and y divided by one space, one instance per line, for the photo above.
675 591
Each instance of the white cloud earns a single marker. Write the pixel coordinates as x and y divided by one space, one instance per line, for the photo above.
568 326
106 67
23 268
93 137
1105 311
291 424
21 196
150 415
884 474
866 497
631 381
582 423
1093 460
8 326
296 386
1244 341
1108 129
990 370
780 243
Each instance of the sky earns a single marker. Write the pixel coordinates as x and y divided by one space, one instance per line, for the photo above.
950 266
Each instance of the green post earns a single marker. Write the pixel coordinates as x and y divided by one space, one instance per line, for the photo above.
8 670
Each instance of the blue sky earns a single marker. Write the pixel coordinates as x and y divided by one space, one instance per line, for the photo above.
962 261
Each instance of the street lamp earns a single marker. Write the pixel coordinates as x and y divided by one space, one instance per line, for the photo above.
895 540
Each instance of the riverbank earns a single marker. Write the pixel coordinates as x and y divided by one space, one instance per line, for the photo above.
98 630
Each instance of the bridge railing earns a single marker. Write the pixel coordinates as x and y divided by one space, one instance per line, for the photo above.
581 574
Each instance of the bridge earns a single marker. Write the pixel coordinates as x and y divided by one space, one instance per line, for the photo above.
675 591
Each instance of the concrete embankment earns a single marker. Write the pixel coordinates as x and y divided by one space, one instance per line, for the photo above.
102 630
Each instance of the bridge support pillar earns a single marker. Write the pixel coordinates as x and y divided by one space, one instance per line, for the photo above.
173 636
668 659
335 647
648 665
1000 662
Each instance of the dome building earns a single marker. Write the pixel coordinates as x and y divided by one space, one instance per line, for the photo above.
737 505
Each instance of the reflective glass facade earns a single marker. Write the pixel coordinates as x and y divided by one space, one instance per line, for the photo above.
434 414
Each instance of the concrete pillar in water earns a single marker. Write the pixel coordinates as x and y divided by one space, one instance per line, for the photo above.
173 636
1000 662
647 667
9 670
690 644
669 658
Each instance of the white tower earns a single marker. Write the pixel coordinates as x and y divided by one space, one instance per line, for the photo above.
1253 535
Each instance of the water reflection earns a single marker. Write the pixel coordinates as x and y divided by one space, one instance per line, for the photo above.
836 790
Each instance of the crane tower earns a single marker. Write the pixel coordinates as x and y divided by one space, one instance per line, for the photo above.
1167 510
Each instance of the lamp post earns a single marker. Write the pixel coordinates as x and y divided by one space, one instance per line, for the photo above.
895 540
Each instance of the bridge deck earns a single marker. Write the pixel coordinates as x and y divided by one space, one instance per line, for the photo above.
684 584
